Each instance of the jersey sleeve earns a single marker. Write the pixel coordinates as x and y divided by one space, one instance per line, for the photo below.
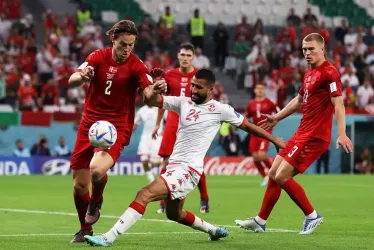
172 103
301 89
142 75
229 115
92 60
333 83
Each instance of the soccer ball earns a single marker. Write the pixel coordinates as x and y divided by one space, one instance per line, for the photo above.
102 134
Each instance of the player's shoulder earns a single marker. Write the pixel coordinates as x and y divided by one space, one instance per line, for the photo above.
328 69
172 72
269 101
100 53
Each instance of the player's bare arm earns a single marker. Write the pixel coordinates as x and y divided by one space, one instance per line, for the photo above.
152 93
257 131
78 78
160 114
343 139
272 120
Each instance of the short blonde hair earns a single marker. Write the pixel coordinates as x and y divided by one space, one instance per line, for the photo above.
315 37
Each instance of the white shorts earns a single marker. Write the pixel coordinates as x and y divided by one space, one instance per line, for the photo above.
149 147
180 180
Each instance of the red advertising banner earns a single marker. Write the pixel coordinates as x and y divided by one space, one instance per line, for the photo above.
230 165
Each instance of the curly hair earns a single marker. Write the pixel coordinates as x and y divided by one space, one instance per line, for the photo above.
122 27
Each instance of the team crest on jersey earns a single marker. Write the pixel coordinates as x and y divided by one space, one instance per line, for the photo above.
212 107
112 69
109 76
184 81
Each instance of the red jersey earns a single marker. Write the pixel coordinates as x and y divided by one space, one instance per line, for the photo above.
319 86
179 84
112 90
255 108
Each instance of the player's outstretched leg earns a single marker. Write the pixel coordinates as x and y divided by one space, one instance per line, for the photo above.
175 212
272 194
164 163
204 197
100 164
81 200
284 178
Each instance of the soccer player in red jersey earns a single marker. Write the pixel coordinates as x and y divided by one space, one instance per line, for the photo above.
114 74
179 81
319 97
258 147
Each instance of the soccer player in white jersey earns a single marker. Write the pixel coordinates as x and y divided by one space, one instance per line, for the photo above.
200 118
148 147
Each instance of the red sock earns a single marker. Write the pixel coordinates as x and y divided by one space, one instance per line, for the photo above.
271 197
98 188
297 194
260 169
162 171
189 219
81 204
137 207
203 188
267 163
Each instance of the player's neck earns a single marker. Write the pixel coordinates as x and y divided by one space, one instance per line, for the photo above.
186 70
260 99
317 64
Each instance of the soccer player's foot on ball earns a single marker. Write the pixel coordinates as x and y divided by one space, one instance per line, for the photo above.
251 224
97 241
93 212
79 236
204 206
221 232
311 224
265 181
161 210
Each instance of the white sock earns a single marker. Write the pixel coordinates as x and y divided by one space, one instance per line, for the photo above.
127 219
150 176
313 215
260 220
203 226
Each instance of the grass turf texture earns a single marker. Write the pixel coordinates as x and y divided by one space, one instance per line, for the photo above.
346 202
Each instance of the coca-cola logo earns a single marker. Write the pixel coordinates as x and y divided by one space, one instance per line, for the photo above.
229 166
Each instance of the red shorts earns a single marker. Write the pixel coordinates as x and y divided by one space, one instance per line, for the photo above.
84 151
302 153
168 140
258 144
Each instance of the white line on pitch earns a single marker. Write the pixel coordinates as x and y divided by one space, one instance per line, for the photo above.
64 234
280 230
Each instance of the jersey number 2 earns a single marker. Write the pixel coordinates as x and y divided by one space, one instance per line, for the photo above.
109 83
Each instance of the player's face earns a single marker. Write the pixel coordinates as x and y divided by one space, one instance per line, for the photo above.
200 90
260 91
185 58
313 51
122 46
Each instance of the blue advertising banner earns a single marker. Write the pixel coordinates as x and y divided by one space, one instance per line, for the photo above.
16 166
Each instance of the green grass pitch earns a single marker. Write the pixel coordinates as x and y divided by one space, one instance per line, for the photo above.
29 217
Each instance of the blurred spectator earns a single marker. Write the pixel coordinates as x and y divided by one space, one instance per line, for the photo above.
325 33
5 27
27 95
348 97
360 48
241 50
41 148
230 65
309 17
244 29
50 93
83 15
161 60
350 40
273 59
62 149
365 165
64 42
350 77
14 9
196 29
295 19
273 84
200 61
44 64
232 143
365 94
20 150
167 18
306 28
288 32
293 88
221 40
341 31
64 72
323 159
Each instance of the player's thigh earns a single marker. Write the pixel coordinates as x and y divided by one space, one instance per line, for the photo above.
253 144
81 180
274 167
168 140
82 153
305 152
173 208
261 155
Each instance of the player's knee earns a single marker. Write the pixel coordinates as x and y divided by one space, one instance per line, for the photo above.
173 215
155 161
281 178
96 173
81 187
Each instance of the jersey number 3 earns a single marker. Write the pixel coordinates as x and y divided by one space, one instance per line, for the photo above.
107 89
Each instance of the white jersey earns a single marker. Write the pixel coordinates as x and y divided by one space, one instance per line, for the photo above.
198 125
148 116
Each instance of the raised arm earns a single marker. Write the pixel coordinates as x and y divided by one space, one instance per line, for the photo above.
160 115
152 93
